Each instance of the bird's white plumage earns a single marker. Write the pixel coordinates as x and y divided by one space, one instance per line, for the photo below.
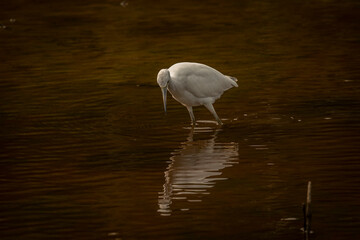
199 80
194 84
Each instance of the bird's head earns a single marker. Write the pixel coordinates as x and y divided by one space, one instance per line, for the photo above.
163 79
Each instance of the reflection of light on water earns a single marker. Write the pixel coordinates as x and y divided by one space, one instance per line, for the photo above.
194 168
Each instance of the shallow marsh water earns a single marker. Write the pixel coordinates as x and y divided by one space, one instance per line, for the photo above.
87 152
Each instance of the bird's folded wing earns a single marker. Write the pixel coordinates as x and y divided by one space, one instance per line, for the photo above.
208 83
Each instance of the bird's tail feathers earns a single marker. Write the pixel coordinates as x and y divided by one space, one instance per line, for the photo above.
233 79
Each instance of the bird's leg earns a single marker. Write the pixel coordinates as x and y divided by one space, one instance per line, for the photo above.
210 107
191 115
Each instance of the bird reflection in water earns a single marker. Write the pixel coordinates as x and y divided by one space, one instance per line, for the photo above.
194 168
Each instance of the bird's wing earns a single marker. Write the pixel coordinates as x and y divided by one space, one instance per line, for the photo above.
203 81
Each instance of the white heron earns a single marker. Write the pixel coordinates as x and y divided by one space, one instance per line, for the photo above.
194 84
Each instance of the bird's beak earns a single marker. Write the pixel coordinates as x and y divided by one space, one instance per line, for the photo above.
164 93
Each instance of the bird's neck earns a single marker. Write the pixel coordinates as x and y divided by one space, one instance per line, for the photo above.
172 87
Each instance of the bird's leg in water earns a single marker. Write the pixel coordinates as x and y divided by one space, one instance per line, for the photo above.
193 122
210 107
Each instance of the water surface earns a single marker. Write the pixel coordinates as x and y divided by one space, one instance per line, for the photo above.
87 152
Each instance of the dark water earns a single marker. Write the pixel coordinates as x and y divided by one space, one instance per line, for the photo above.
87 153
